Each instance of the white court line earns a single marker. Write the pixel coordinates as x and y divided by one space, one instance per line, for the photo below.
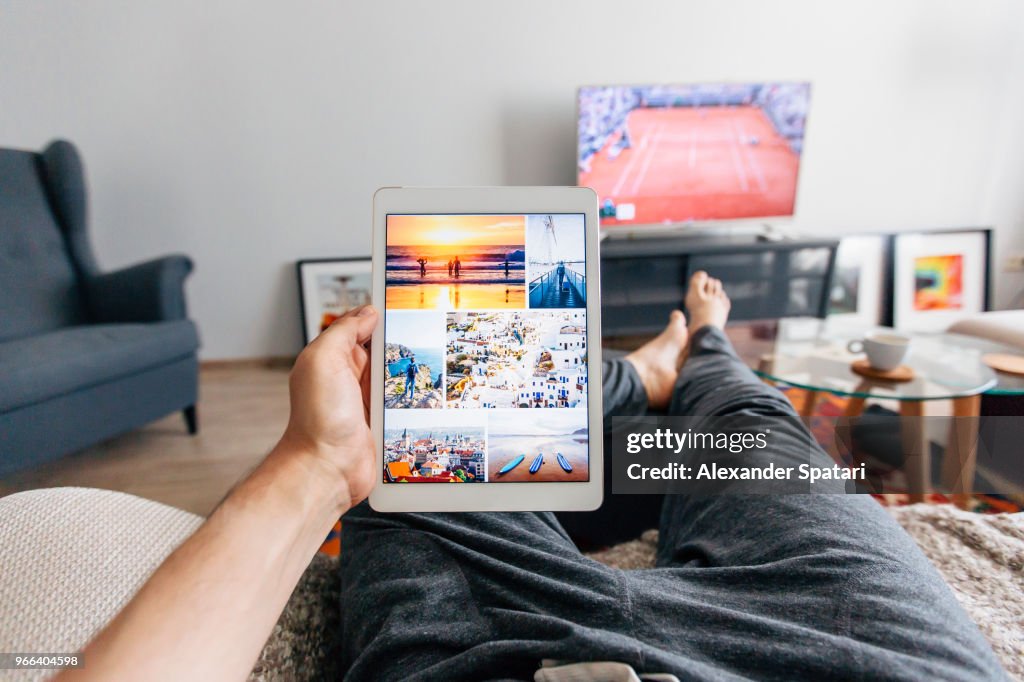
752 160
684 138
647 160
629 166
740 173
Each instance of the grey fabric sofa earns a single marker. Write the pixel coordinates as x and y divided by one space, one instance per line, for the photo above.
84 355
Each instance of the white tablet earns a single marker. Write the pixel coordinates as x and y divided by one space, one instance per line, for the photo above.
486 363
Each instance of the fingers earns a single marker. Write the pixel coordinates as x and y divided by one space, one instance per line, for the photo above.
367 322
359 358
353 328
699 280
364 387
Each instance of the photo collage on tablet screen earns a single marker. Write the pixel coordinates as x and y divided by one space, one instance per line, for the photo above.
484 320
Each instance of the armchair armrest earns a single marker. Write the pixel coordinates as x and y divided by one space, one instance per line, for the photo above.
148 292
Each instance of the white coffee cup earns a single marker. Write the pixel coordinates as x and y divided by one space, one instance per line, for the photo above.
885 350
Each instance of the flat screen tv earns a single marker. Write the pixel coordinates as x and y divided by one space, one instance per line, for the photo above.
677 154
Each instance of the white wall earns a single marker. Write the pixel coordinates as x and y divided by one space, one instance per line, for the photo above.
252 134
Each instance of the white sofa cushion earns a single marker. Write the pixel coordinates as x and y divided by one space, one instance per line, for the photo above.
1001 326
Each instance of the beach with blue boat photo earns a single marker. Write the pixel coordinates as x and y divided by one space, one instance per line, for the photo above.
550 446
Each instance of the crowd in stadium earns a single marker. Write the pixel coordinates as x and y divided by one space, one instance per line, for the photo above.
603 111
786 105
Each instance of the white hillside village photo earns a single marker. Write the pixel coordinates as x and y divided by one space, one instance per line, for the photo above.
517 359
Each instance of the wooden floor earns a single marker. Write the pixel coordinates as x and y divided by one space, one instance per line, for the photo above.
242 412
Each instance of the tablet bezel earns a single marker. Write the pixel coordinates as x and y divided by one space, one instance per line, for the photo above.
491 496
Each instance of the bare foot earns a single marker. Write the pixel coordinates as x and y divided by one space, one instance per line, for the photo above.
658 361
706 302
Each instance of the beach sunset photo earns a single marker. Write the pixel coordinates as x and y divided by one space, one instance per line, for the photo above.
456 262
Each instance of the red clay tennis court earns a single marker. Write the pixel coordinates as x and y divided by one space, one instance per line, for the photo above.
689 163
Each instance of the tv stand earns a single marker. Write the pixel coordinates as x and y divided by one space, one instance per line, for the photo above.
644 279
715 230
770 235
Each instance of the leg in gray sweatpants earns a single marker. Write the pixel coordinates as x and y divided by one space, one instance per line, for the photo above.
771 587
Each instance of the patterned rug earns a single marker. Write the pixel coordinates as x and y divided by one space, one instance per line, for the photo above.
332 545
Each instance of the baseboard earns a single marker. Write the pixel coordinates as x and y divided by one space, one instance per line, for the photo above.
272 362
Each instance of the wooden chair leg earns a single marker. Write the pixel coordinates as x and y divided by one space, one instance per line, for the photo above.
191 419
810 402
844 434
765 365
917 458
854 407
961 457
855 404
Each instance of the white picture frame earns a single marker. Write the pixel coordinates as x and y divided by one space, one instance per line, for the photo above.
329 287
856 298
939 278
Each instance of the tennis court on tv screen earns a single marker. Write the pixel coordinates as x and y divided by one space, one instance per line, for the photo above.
663 154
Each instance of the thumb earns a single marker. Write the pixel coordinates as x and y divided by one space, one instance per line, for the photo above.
366 322
353 328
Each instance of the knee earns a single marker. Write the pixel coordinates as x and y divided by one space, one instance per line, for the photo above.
714 393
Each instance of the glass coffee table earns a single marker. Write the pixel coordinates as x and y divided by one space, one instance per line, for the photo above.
811 354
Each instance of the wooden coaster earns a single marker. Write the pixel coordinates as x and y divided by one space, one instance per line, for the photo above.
1004 362
898 375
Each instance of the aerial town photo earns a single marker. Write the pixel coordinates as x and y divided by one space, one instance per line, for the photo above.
526 358
424 446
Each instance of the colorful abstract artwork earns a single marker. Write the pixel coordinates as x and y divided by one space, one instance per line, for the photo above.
938 282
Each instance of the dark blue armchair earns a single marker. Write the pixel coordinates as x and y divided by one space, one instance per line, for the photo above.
84 355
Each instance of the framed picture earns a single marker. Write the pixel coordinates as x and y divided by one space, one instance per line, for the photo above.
330 287
939 278
858 297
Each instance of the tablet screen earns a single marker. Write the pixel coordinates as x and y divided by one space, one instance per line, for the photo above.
485 347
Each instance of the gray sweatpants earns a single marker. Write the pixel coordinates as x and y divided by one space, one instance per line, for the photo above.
769 587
